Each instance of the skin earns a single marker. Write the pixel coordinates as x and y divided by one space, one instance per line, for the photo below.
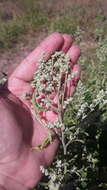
19 131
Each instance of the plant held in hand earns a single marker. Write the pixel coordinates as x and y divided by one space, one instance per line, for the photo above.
49 93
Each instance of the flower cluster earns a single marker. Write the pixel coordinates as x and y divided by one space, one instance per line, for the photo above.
51 80
101 99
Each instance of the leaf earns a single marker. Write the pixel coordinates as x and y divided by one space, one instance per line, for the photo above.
47 141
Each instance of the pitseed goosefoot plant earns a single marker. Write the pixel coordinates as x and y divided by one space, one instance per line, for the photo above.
79 121
49 94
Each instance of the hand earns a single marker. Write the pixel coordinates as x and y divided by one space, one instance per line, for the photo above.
19 164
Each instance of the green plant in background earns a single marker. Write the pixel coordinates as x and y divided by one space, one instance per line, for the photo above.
36 18
94 65
99 32
101 29
36 21
11 33
64 24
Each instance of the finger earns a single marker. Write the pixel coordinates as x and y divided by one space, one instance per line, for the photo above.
74 53
68 40
71 85
29 65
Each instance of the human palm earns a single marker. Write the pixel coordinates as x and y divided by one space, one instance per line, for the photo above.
19 131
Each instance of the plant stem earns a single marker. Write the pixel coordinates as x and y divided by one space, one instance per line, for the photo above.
65 83
64 149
